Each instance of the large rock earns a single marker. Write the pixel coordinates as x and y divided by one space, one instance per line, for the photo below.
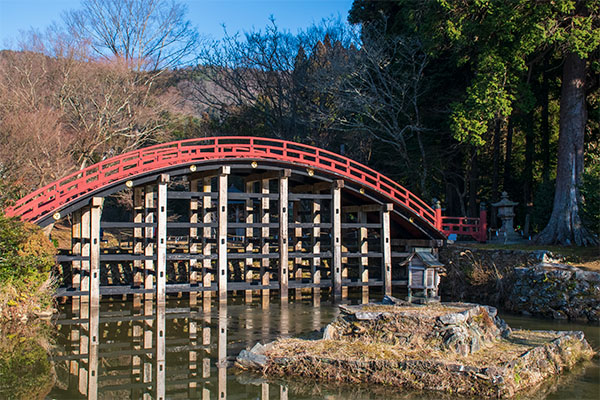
455 348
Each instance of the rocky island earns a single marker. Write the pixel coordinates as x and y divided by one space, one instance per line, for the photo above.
457 348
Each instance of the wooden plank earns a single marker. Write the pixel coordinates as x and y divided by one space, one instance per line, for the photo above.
193 240
364 208
95 215
336 238
314 188
138 239
264 265
283 234
386 246
222 234
267 175
315 263
85 253
249 275
207 217
363 247
149 206
76 263
297 269
308 196
161 240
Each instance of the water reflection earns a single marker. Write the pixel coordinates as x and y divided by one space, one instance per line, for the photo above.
183 349
186 348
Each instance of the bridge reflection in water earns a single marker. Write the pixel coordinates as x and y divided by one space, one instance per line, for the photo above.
181 349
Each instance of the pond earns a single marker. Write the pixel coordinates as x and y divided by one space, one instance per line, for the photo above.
186 350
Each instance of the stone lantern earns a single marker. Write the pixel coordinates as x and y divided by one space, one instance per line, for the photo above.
506 212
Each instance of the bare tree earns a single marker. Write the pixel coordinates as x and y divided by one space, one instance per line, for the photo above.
275 77
381 96
147 34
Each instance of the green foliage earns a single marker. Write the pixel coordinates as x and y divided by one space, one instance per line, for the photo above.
500 41
25 370
590 191
26 254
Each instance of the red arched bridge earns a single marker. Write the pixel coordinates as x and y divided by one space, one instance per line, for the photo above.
217 214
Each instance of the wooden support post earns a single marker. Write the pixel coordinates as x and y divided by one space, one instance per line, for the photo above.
85 254
265 233
94 324
336 238
161 240
138 242
207 218
193 242
206 342
386 249
283 392
76 264
222 352
84 343
283 234
315 263
147 377
137 333
222 235
160 380
249 245
284 319
363 247
149 205
192 355
96 214
76 285
297 248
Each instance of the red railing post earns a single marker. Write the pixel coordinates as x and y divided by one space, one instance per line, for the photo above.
437 209
482 222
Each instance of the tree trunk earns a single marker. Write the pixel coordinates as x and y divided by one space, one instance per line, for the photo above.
565 225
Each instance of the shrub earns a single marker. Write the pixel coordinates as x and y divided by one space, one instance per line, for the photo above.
26 254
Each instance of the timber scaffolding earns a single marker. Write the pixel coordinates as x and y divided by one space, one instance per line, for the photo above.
255 230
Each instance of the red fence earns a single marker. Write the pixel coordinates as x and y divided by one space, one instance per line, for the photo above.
465 226
56 195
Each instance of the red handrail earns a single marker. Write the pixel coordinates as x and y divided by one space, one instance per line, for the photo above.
52 197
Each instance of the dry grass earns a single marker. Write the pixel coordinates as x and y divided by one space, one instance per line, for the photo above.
583 257
432 310
496 354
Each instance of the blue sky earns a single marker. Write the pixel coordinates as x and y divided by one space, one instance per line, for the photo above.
207 15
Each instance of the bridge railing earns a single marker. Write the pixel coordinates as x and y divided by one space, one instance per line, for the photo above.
53 196
465 226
